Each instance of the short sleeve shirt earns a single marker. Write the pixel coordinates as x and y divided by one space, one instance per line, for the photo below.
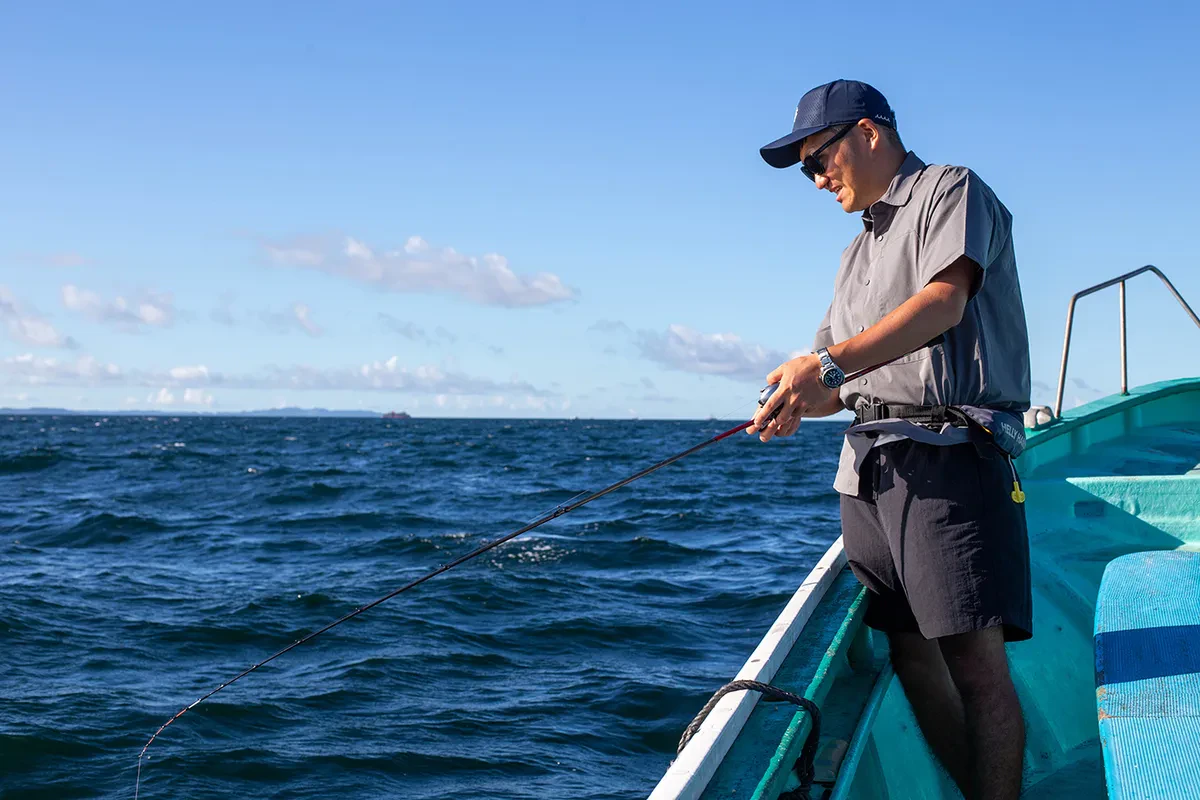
929 217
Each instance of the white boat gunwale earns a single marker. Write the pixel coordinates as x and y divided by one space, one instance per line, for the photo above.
691 771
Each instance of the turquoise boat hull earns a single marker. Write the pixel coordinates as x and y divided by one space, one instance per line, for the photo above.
1114 477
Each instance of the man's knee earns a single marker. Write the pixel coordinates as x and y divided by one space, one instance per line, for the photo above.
913 656
977 662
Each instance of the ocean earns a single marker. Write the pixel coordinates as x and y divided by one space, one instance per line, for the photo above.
145 560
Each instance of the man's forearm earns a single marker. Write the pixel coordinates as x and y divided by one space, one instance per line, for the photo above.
932 311
832 405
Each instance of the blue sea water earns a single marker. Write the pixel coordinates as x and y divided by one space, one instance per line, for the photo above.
147 560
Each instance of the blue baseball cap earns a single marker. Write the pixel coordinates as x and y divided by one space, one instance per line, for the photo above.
836 103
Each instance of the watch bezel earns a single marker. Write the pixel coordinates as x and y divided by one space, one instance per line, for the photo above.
833 377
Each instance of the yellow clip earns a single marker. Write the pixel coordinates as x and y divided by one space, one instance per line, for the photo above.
1016 494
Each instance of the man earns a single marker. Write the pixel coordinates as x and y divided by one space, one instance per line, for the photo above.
929 523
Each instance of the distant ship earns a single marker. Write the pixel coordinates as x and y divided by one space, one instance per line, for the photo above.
397 415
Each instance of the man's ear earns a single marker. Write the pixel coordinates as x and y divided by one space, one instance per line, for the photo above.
871 131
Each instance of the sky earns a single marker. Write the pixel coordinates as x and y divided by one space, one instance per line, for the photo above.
547 209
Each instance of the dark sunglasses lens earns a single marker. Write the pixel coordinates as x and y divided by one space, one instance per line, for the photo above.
811 167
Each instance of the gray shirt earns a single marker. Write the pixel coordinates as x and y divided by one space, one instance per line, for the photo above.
930 216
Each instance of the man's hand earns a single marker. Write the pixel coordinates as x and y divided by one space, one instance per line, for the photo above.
800 391
930 312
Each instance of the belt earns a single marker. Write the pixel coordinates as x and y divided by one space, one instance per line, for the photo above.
921 415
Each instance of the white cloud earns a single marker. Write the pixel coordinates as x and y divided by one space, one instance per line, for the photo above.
304 319
420 267
162 398
197 397
189 373
149 308
38 332
190 397
78 299
390 375
688 350
373 376
26 326
84 371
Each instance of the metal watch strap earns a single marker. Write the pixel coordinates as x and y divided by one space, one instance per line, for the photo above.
828 365
827 360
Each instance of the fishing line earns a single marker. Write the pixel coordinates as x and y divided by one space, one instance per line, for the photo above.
558 511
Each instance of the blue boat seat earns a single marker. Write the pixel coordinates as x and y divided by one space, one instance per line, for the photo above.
1147 640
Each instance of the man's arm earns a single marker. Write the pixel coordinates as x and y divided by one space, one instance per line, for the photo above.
932 311
831 405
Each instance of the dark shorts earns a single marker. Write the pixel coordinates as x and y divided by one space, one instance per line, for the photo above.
938 541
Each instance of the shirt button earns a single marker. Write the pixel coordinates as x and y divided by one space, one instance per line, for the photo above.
867 282
861 329
864 380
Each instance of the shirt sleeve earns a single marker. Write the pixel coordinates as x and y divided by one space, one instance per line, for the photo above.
964 220
824 337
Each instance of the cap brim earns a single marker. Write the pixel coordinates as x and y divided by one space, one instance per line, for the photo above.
785 152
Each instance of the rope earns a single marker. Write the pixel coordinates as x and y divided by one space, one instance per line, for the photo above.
804 764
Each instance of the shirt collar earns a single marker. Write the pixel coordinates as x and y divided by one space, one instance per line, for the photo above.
899 191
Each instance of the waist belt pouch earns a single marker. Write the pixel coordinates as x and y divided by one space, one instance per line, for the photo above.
1006 428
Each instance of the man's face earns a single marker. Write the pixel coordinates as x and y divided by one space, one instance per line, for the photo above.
843 161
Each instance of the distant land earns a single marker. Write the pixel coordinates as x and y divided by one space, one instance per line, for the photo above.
287 411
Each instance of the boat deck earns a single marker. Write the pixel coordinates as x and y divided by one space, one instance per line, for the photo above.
1117 476
1138 490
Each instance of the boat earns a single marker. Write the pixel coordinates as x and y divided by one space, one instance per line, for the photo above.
1109 684
397 415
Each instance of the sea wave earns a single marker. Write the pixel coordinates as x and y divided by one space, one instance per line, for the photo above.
138 575
30 461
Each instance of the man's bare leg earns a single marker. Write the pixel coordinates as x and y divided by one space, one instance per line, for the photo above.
995 728
935 700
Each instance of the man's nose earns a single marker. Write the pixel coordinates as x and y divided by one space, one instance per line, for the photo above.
821 181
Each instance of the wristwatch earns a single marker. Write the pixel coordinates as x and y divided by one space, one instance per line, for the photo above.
831 374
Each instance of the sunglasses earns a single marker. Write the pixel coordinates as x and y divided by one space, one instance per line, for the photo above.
812 165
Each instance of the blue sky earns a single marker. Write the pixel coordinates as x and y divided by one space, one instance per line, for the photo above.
536 209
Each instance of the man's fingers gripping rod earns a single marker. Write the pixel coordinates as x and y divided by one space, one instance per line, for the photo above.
765 395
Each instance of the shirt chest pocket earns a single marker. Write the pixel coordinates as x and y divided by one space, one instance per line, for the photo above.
889 279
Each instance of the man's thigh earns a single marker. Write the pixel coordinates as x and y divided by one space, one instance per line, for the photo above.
869 555
958 540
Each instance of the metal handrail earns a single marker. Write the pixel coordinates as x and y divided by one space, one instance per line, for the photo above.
1062 373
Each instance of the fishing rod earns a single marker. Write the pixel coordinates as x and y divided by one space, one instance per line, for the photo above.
764 396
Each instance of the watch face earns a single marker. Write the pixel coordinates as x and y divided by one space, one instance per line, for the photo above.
833 378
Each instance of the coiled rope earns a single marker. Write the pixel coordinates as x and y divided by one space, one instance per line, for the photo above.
804 764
